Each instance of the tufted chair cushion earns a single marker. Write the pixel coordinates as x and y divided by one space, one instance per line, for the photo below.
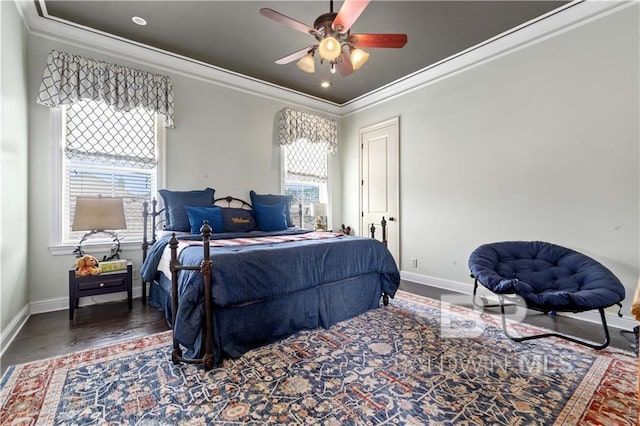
548 277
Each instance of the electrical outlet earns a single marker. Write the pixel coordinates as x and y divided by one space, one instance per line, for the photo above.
414 262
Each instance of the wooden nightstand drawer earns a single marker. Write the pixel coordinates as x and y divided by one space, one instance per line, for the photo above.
110 282
94 284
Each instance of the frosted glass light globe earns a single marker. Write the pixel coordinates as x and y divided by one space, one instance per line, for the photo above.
329 48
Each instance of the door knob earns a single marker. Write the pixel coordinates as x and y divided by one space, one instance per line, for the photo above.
392 219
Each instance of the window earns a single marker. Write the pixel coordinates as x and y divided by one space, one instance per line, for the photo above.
305 178
108 153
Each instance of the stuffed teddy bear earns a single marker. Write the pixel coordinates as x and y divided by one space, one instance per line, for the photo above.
87 265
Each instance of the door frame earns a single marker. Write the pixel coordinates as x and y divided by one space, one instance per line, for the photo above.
395 120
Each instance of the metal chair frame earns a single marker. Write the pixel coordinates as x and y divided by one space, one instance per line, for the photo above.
501 304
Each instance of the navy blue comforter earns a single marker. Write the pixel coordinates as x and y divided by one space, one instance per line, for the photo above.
247 275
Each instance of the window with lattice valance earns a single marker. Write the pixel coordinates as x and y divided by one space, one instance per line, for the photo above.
307 140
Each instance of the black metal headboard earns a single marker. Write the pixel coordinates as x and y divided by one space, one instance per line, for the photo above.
229 201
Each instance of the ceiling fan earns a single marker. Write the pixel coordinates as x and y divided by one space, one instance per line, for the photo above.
336 44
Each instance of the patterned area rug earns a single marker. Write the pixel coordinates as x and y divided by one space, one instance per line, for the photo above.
416 361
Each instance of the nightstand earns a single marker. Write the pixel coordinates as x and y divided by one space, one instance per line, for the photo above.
110 282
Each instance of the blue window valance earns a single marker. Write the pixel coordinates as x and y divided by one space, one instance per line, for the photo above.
296 125
69 78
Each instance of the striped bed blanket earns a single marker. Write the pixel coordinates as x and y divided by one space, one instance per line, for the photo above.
163 265
260 240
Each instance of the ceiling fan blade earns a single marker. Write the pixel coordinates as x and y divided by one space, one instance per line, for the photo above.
295 55
378 40
344 66
285 20
348 14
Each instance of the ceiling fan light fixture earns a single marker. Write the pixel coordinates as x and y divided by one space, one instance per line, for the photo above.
307 64
330 48
358 58
335 43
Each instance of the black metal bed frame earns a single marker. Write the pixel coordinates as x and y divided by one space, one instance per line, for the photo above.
205 269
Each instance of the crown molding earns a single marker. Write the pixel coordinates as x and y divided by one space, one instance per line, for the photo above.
556 22
88 38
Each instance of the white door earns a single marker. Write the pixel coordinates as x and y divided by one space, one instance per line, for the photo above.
379 178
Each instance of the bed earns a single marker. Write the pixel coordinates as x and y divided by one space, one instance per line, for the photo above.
266 282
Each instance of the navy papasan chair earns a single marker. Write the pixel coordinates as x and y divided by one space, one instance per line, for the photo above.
546 277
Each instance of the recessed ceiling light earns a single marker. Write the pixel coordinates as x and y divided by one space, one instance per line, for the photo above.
325 84
138 20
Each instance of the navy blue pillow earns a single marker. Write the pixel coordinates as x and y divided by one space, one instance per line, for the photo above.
271 217
175 203
273 199
197 215
238 220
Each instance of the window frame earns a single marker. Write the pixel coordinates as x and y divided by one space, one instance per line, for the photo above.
57 143
327 185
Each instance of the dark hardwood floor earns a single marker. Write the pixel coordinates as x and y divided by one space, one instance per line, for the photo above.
52 334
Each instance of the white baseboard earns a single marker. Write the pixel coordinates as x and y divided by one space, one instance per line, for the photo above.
625 322
458 287
62 303
13 328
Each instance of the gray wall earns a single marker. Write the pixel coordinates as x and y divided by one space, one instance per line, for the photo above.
225 139
540 144
14 292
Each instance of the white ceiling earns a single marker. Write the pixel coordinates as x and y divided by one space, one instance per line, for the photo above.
232 35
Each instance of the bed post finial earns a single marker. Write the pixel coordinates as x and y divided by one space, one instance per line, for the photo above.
145 215
383 223
300 215
154 203
205 230
373 230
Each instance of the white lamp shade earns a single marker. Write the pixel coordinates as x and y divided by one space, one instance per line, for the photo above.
98 213
358 58
307 64
329 48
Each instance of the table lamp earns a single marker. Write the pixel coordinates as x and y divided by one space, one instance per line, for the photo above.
99 215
